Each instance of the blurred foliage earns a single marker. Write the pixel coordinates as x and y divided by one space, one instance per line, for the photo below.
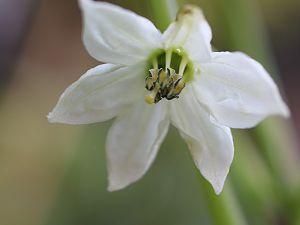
169 194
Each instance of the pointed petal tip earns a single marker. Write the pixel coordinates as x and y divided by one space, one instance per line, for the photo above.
285 111
114 185
218 189
282 109
111 188
50 117
218 192
53 117
217 184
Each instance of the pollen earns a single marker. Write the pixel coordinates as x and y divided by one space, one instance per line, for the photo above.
168 76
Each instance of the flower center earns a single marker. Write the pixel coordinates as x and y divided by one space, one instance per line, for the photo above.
168 72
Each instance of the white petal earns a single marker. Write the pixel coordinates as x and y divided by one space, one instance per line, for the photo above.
133 142
191 32
116 35
99 94
210 144
238 90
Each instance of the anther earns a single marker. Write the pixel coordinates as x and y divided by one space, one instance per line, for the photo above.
154 96
163 78
178 86
151 79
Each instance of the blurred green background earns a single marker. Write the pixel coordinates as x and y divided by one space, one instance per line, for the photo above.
56 174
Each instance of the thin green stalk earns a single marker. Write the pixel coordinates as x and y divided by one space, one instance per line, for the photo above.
162 12
224 208
254 189
244 29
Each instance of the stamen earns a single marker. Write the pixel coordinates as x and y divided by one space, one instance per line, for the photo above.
163 78
155 63
168 59
165 82
179 85
154 73
151 79
182 66
154 96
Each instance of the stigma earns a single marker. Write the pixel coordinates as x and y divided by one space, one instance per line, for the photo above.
169 73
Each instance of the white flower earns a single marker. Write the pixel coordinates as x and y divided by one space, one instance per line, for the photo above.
153 79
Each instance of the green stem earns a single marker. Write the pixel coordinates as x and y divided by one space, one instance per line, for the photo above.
257 201
162 12
244 29
273 137
224 209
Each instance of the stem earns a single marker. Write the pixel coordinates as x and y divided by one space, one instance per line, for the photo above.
168 59
155 63
224 209
255 191
162 12
275 139
245 30
182 66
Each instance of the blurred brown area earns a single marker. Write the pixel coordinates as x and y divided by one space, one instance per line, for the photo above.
14 19
41 54
33 152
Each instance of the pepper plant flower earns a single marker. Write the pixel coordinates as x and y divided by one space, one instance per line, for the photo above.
153 79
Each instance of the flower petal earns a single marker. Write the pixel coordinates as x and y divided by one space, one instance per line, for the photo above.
99 94
238 90
210 144
133 142
116 35
192 32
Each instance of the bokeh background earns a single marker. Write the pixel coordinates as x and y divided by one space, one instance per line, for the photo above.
56 174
